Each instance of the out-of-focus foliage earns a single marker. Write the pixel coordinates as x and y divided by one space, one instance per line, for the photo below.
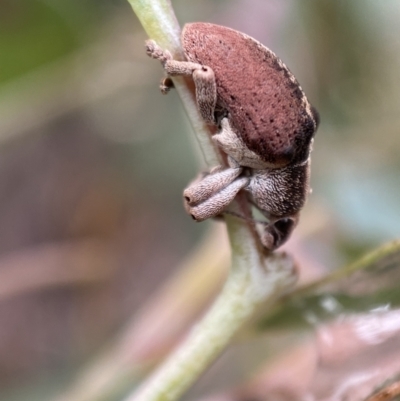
369 284
94 160
34 33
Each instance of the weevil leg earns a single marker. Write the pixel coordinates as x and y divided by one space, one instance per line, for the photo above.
206 186
203 77
172 67
156 52
216 204
166 85
206 93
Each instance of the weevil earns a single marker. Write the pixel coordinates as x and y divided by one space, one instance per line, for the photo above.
265 126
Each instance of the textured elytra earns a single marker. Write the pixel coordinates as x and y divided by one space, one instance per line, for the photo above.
266 104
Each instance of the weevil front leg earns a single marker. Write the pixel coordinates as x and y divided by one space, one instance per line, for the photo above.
211 194
216 204
203 77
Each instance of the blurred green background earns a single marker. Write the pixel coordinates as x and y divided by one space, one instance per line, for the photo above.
94 160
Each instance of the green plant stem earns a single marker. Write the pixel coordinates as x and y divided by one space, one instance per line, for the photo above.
253 279
248 285
158 20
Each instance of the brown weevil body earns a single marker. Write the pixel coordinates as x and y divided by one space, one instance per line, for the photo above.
266 126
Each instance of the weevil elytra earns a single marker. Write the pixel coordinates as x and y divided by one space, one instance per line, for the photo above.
265 126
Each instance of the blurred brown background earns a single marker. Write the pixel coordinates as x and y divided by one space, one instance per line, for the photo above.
94 160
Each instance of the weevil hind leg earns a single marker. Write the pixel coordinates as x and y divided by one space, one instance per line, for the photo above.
206 93
204 82
203 77
156 52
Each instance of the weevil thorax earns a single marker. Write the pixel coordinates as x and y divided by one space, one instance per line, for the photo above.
264 102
